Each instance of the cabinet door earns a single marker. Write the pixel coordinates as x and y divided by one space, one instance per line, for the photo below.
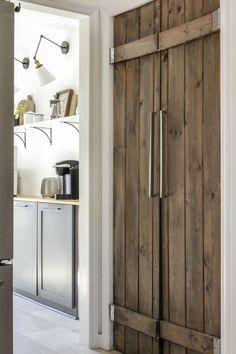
56 254
25 247
6 323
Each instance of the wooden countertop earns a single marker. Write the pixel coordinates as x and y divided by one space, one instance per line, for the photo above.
39 199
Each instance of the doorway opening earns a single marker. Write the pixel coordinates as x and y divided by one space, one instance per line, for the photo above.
46 164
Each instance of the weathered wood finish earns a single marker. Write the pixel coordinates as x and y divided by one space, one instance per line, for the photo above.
173 37
187 338
167 253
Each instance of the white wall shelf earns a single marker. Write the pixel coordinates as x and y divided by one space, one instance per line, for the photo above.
46 127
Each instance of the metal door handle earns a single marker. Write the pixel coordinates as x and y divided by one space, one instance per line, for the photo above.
151 153
161 154
22 206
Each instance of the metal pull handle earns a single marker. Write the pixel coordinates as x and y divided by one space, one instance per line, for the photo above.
22 206
151 153
161 154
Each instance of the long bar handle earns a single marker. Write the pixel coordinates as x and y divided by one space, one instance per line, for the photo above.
161 154
151 153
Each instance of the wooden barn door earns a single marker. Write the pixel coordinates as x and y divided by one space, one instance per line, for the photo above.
167 178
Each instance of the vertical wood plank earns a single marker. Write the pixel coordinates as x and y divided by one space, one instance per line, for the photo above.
132 180
211 146
194 188
176 198
165 346
176 175
176 12
145 210
156 201
210 6
119 182
194 176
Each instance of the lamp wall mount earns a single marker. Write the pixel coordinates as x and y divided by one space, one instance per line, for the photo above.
65 46
25 62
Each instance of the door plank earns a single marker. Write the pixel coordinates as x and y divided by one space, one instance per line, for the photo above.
156 201
194 176
119 181
165 346
211 157
137 321
210 6
186 32
132 180
186 337
176 176
145 210
194 187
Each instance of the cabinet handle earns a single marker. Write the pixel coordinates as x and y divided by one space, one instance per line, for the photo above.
51 209
22 206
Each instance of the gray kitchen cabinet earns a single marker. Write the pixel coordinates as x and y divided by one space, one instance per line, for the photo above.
56 254
25 247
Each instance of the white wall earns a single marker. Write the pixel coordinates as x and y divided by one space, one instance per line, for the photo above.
36 161
29 25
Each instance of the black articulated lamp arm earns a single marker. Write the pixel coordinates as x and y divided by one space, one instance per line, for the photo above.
25 62
64 46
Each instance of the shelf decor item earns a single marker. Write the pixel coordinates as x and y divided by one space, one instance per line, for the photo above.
44 76
23 107
65 98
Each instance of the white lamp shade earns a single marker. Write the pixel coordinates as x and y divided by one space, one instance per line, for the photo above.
44 76
16 89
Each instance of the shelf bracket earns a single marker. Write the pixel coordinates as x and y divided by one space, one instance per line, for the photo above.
23 139
72 124
44 130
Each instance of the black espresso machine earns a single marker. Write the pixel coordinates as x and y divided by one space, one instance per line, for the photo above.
68 179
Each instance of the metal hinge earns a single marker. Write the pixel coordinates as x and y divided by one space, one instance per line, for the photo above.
217 346
216 20
112 55
112 313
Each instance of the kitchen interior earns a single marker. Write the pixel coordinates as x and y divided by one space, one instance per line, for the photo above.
46 180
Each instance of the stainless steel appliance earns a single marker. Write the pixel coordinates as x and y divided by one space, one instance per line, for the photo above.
56 108
68 179
6 175
49 187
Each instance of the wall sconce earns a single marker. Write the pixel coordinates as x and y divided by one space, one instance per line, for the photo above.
25 62
44 76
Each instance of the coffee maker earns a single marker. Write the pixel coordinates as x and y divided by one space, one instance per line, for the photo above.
68 179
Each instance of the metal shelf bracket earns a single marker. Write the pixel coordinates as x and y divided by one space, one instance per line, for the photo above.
23 139
72 124
45 131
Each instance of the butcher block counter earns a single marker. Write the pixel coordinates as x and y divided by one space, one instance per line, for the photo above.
39 199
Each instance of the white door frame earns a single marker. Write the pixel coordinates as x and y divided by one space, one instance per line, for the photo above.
98 287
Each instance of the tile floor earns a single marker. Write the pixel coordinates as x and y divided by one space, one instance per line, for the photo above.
38 330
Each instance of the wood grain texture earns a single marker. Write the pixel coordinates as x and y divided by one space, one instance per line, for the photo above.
185 337
136 49
186 32
146 208
194 187
210 6
132 180
119 182
194 176
211 156
137 321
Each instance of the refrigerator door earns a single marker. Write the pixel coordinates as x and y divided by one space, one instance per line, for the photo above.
6 128
6 310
